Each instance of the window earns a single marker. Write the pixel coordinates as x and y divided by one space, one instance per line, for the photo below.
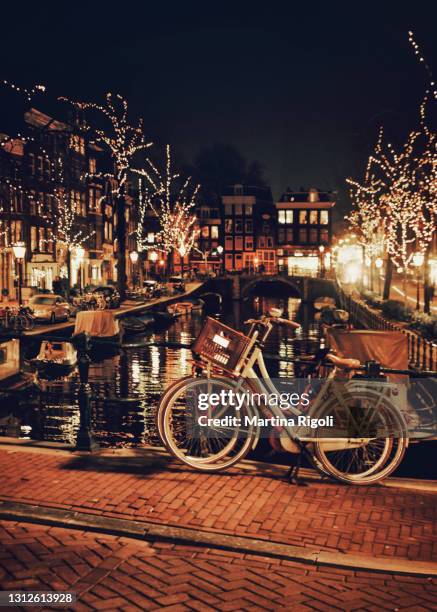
303 236
229 244
289 234
313 236
77 143
16 229
151 238
248 243
214 213
239 243
238 209
303 217
248 209
285 216
324 217
228 226
214 231
228 209
281 236
313 217
249 226
33 238
269 241
238 227
324 238
40 164
92 165
205 231
32 163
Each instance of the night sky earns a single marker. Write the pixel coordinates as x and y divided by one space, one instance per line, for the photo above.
301 87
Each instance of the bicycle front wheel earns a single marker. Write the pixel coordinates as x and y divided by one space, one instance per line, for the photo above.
200 432
371 439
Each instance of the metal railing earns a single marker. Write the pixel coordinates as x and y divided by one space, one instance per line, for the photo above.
422 353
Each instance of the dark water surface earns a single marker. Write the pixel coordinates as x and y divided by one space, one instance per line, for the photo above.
127 386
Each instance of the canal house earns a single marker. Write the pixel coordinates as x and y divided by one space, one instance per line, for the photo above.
304 230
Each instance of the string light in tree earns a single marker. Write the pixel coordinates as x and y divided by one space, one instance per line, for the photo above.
172 205
123 140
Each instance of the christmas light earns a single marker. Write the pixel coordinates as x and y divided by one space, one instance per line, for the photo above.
171 205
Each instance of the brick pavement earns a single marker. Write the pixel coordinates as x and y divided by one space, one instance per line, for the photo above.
110 573
376 521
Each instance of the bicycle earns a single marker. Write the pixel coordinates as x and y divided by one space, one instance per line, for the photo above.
227 361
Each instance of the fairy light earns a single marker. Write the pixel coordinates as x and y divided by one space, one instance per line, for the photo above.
123 140
173 206
422 60
28 93
64 218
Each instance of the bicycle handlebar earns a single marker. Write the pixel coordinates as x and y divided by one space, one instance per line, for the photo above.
278 320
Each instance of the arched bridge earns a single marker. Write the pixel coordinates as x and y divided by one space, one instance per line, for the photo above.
304 287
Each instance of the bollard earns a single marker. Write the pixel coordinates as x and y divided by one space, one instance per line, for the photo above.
85 440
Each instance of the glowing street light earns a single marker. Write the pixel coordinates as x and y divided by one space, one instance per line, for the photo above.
19 250
133 257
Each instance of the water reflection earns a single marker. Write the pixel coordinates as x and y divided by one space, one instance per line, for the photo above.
126 388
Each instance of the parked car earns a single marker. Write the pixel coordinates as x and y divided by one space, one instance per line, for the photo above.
49 307
110 293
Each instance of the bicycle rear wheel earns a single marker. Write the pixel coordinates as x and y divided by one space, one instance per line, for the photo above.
376 443
207 447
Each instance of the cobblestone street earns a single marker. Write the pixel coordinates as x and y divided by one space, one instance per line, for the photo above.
258 502
110 573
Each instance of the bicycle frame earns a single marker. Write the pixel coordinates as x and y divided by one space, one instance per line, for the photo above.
245 374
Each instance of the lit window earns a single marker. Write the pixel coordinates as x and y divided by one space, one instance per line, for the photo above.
324 217
214 231
228 226
303 217
313 236
228 209
205 231
248 208
92 166
313 217
249 226
248 243
303 236
238 227
229 244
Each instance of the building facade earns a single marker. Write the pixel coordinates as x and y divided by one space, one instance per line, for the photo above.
304 230
51 171
248 218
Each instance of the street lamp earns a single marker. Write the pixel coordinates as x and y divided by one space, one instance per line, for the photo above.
19 249
418 259
134 258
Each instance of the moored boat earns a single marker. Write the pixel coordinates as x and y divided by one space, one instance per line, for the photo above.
55 358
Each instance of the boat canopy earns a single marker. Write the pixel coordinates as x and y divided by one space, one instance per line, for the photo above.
390 348
98 323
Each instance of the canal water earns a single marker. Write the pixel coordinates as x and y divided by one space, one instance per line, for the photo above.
126 387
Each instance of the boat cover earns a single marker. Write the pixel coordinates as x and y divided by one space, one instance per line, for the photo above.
390 348
98 323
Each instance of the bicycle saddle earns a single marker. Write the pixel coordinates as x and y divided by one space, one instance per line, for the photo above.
342 362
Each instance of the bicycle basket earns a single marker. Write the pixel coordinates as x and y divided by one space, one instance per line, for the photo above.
221 345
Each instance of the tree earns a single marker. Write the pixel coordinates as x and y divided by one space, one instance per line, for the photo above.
123 141
367 219
172 200
67 233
